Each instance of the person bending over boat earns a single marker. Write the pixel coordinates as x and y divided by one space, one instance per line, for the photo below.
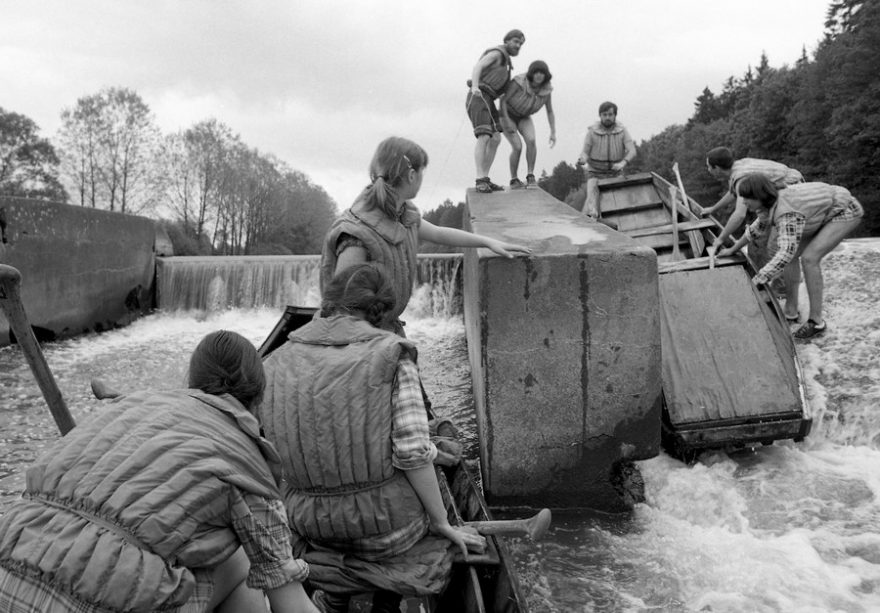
164 501
524 96
721 165
811 219
344 408
608 149
384 226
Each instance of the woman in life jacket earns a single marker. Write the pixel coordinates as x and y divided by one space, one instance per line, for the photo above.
164 501
384 226
343 406
524 96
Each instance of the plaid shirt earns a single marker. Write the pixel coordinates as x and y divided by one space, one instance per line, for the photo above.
789 229
411 441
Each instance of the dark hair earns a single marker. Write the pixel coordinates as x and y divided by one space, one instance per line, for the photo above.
394 157
758 187
362 287
720 157
539 66
514 34
607 106
225 362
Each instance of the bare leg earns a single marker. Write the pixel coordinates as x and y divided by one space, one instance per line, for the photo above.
828 237
230 592
591 206
480 155
491 148
792 276
527 129
515 152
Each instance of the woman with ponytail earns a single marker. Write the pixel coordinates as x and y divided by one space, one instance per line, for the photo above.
344 409
385 227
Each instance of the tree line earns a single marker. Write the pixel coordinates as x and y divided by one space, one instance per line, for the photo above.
217 195
820 116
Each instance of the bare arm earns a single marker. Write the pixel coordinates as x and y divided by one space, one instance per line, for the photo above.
629 149
551 118
585 152
351 256
424 481
726 199
484 62
291 598
736 219
459 238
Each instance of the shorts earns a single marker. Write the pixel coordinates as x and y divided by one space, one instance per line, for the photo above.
603 174
851 210
483 115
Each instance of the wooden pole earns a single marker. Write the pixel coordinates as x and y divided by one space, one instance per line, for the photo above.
10 301
534 527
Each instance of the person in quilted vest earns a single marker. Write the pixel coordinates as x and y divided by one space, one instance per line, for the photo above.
165 501
384 226
343 407
524 96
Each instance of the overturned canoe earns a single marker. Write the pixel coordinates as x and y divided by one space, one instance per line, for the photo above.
730 372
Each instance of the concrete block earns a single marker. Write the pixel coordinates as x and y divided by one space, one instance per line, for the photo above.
564 349
82 269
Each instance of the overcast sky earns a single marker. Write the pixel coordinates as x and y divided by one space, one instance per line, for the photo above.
318 83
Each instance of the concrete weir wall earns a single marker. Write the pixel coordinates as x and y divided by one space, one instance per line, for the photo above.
82 269
565 352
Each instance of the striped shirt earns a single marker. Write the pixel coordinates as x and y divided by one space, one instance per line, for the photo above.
779 174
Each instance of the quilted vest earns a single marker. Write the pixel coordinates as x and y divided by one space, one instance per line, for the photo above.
607 147
390 243
327 408
118 510
779 174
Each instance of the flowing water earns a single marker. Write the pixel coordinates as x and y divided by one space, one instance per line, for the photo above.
788 527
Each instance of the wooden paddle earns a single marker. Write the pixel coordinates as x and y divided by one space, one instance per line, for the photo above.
673 202
534 527
10 301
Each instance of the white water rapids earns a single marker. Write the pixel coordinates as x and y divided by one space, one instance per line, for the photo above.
789 527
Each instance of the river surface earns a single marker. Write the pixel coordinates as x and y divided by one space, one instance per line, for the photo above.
789 527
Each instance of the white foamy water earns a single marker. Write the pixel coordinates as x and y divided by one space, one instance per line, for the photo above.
789 527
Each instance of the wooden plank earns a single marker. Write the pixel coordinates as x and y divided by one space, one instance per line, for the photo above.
684 226
703 263
720 359
633 197
633 220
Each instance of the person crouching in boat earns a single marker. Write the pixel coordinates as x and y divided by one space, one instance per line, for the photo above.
344 407
384 226
810 219
165 501
524 96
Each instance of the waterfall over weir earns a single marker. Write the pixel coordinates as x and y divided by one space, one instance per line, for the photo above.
216 283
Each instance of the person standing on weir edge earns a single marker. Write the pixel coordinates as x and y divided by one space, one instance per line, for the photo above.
524 96
488 80
608 148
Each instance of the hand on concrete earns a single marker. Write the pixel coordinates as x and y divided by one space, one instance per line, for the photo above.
508 250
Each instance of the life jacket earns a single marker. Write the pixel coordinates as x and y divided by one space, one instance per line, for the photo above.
779 174
817 202
390 243
120 509
522 100
327 408
494 79
607 147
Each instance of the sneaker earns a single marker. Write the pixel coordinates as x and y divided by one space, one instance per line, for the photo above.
810 329
515 183
530 181
494 186
483 186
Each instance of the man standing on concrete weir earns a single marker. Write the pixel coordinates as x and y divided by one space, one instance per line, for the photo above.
488 80
608 148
